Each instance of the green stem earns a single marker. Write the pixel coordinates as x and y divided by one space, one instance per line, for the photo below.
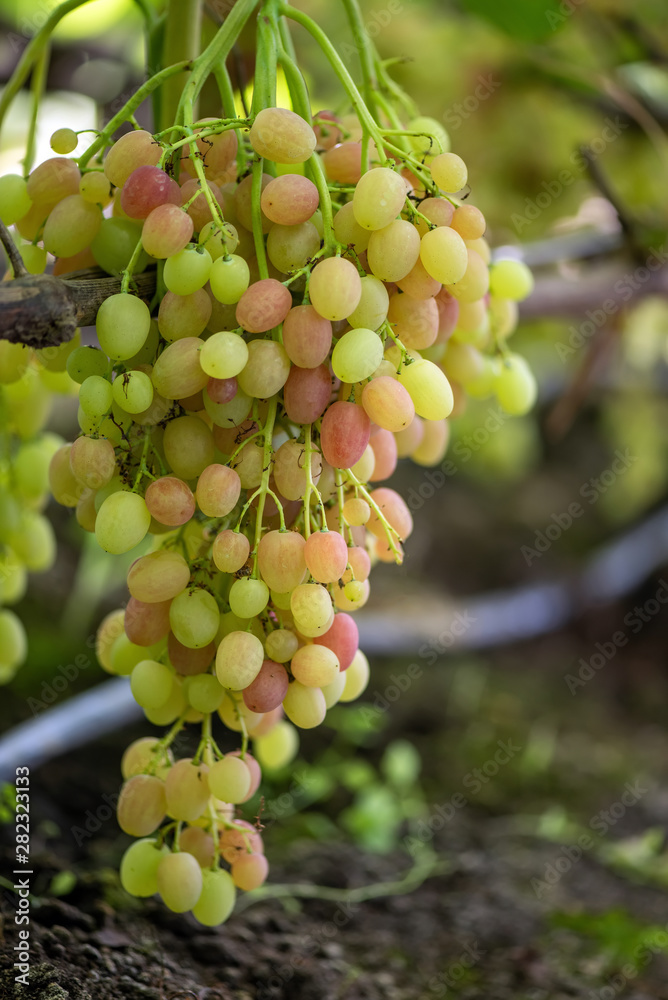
38 86
367 53
132 263
128 109
365 117
226 91
32 52
183 33
215 53
256 214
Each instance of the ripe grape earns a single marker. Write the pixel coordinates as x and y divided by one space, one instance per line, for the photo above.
335 288
290 199
282 136
180 881
379 197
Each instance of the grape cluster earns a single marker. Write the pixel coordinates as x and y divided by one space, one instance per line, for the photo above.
28 380
315 320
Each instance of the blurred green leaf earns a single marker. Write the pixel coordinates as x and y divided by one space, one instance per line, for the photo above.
62 883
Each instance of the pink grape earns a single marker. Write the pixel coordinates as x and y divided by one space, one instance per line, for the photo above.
166 231
307 393
221 390
384 445
263 305
187 661
344 434
230 551
289 199
326 555
146 624
280 558
134 149
218 490
342 638
250 871
395 511
268 690
170 501
307 336
145 189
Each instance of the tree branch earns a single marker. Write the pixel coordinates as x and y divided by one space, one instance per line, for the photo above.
41 310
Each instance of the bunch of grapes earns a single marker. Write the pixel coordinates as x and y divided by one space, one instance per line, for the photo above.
28 381
325 302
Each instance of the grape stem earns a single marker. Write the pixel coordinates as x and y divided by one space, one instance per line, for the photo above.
183 28
310 485
261 493
15 258
37 86
391 532
366 51
132 263
105 136
367 121
222 78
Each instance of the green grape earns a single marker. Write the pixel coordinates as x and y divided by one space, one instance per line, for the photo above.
277 748
357 355
443 253
332 692
304 706
94 187
133 391
238 660
357 677
230 779
14 199
143 754
139 867
122 522
194 618
311 607
281 645
71 226
219 242
335 288
141 805
229 278
151 683
13 641
394 251
33 257
248 598
291 247
179 881
13 578
205 693
371 311
428 387
217 899
123 323
434 142
63 141
86 361
34 541
510 279
14 361
187 270
449 171
31 466
115 243
515 386
224 355
379 197
187 790
95 396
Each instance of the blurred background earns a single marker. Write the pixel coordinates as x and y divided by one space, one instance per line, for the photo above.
525 634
